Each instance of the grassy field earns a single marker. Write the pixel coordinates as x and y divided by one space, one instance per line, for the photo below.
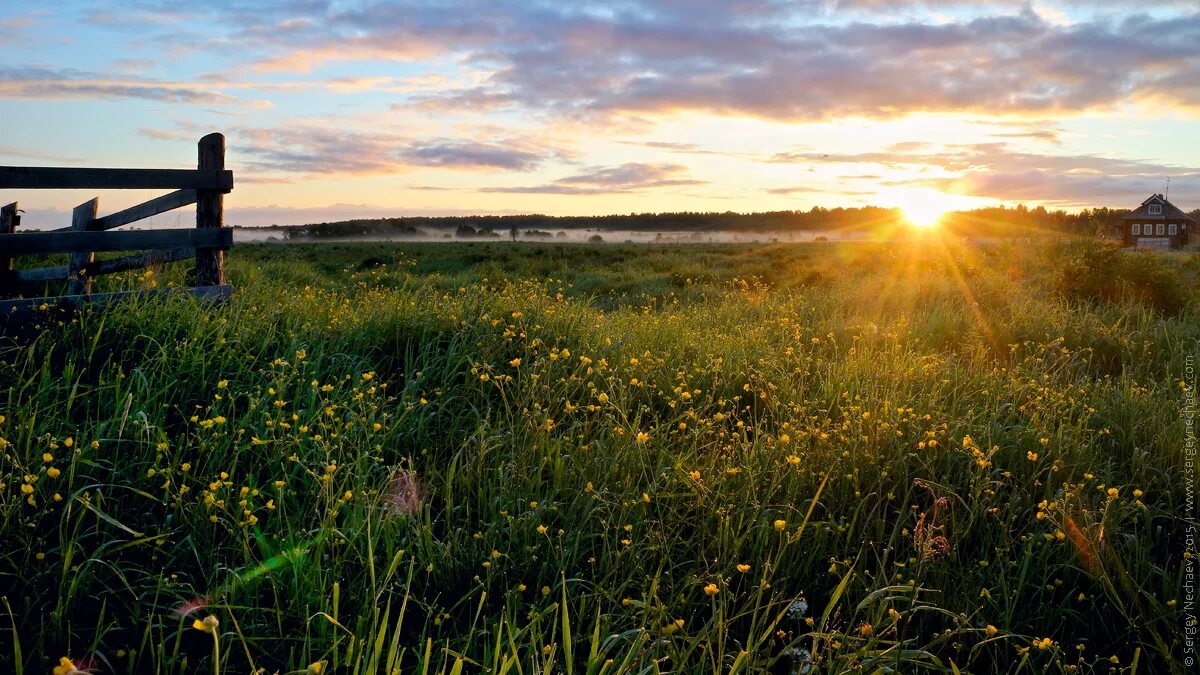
499 458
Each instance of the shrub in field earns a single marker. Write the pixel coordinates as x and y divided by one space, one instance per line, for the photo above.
1097 269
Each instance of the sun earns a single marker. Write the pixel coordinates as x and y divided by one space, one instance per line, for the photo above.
923 216
922 208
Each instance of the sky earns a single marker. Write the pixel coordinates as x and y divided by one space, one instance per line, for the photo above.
347 109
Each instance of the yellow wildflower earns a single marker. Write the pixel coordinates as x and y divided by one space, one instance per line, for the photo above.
206 625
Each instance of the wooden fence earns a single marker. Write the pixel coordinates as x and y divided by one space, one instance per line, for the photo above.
205 186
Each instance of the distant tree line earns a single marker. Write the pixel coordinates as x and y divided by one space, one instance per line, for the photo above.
991 221
1000 220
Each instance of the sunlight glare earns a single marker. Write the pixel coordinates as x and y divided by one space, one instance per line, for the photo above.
922 208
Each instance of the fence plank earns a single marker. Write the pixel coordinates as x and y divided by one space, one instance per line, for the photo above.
23 310
110 266
64 178
140 260
210 214
70 242
56 273
142 211
8 224
82 219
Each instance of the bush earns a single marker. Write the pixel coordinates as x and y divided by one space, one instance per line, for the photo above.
1100 270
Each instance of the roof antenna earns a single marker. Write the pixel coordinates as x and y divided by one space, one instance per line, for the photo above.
1167 194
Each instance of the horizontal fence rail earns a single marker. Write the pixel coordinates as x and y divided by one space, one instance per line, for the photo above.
26 309
100 267
57 178
89 233
34 243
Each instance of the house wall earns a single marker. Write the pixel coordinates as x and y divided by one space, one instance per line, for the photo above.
1175 241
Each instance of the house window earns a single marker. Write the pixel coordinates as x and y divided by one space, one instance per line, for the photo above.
1160 229
1137 229
1156 209
1172 229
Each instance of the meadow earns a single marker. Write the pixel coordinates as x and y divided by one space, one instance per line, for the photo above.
925 456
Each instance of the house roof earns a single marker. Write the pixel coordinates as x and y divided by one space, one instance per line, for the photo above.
1169 211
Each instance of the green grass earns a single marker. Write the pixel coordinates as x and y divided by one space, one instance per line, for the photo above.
468 458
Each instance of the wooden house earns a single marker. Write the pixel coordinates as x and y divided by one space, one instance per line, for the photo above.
1157 223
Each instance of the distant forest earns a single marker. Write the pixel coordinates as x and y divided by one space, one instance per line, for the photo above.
992 221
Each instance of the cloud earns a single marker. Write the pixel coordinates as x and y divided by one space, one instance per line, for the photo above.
314 150
168 135
303 35
471 155
50 83
788 61
1044 135
19 30
629 177
311 150
806 60
794 190
1065 189
16 28
679 148
133 65
23 152
474 99
994 170
136 14
1009 64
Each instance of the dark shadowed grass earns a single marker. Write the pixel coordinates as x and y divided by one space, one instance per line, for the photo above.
602 459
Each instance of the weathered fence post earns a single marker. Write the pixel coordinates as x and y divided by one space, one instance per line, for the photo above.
83 218
210 212
8 275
